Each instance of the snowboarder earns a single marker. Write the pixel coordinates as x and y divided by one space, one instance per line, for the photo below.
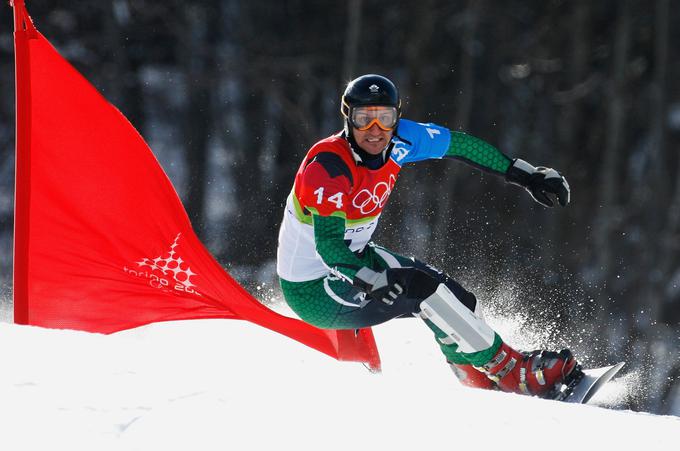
333 276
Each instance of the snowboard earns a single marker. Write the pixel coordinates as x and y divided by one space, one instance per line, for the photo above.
586 382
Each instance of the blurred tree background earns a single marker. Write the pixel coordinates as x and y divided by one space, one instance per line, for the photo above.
230 95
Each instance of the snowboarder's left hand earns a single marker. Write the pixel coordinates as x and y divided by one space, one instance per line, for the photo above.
384 285
540 182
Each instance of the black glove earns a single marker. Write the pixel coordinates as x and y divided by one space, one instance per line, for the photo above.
385 285
539 182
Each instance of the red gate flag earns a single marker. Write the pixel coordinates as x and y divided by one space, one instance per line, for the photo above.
102 242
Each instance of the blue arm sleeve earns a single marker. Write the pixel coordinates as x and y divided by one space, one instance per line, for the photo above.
418 141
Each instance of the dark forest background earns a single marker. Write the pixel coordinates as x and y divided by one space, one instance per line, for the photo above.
230 94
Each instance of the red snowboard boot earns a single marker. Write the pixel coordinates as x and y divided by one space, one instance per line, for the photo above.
472 377
534 373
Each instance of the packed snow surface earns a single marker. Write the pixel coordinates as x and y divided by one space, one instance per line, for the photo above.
226 384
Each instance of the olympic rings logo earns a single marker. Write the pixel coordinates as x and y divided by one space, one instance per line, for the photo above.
367 201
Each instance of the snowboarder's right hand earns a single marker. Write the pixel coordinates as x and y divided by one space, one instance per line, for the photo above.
384 285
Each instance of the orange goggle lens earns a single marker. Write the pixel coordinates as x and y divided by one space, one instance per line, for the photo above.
363 118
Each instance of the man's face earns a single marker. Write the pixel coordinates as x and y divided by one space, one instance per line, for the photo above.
373 126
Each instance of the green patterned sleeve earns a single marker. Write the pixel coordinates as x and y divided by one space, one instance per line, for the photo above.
478 153
329 237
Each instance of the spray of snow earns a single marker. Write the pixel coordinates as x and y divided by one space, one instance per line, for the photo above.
514 324
620 390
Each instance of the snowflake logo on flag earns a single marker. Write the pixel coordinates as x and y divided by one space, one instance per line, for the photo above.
176 273
171 265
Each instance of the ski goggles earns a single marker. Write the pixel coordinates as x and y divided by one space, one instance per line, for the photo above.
363 117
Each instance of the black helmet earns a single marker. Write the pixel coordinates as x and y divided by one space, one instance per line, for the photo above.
370 89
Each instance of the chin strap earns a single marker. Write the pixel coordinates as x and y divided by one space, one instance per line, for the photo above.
363 157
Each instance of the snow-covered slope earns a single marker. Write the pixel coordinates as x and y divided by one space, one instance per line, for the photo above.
224 384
